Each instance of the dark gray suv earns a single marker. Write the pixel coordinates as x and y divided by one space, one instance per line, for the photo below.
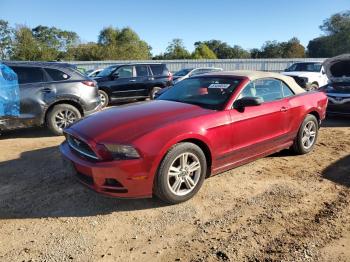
52 94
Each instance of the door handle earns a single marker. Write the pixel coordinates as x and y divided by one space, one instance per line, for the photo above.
284 109
46 90
132 80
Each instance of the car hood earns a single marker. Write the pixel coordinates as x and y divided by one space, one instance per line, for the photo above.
124 124
301 74
338 68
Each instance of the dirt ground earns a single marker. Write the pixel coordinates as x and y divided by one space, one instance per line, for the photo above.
279 208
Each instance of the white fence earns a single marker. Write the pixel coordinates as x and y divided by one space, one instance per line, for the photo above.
275 65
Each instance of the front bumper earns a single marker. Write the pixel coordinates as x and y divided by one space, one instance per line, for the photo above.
122 179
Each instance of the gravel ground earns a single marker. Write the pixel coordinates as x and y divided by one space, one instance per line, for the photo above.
279 208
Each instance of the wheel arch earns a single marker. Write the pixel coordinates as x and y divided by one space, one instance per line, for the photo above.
71 102
315 114
198 140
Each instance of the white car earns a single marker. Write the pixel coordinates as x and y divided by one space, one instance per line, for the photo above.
93 73
187 72
309 75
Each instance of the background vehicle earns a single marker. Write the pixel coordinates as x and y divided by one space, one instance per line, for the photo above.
309 75
338 90
202 126
55 94
188 72
132 81
93 72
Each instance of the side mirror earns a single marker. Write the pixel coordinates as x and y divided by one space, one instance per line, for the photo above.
323 72
248 101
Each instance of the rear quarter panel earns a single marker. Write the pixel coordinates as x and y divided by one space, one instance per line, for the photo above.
304 104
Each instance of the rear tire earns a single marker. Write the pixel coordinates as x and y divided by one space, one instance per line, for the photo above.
153 92
307 135
60 117
104 98
181 173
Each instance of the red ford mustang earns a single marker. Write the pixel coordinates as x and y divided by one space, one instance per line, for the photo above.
200 127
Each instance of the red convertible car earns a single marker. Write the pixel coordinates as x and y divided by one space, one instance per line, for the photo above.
200 127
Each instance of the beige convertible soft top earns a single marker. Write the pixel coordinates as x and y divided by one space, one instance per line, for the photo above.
253 75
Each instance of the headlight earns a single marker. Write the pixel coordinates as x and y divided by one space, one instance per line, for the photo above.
122 151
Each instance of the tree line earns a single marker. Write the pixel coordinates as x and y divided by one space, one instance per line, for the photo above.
43 43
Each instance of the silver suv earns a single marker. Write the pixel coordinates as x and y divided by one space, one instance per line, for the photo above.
51 94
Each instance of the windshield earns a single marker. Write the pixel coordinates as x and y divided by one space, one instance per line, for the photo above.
107 71
305 67
182 72
208 92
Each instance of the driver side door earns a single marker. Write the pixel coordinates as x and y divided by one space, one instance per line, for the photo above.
123 81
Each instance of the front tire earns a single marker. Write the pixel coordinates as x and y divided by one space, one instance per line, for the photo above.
307 135
61 116
181 173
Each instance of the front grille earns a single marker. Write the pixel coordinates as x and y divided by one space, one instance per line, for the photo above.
81 147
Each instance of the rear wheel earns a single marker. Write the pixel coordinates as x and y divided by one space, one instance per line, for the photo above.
104 98
307 135
61 116
154 91
181 173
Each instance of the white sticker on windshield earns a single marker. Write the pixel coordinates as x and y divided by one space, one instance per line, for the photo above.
224 86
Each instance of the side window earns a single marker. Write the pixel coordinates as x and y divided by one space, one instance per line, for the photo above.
248 91
157 69
141 70
125 71
57 75
287 92
268 89
28 75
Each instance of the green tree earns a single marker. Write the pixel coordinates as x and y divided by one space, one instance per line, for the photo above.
25 45
6 35
122 44
223 50
84 52
108 36
293 49
273 49
336 40
176 50
202 51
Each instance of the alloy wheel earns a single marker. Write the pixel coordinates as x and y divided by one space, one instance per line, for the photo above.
103 99
65 118
309 135
184 174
